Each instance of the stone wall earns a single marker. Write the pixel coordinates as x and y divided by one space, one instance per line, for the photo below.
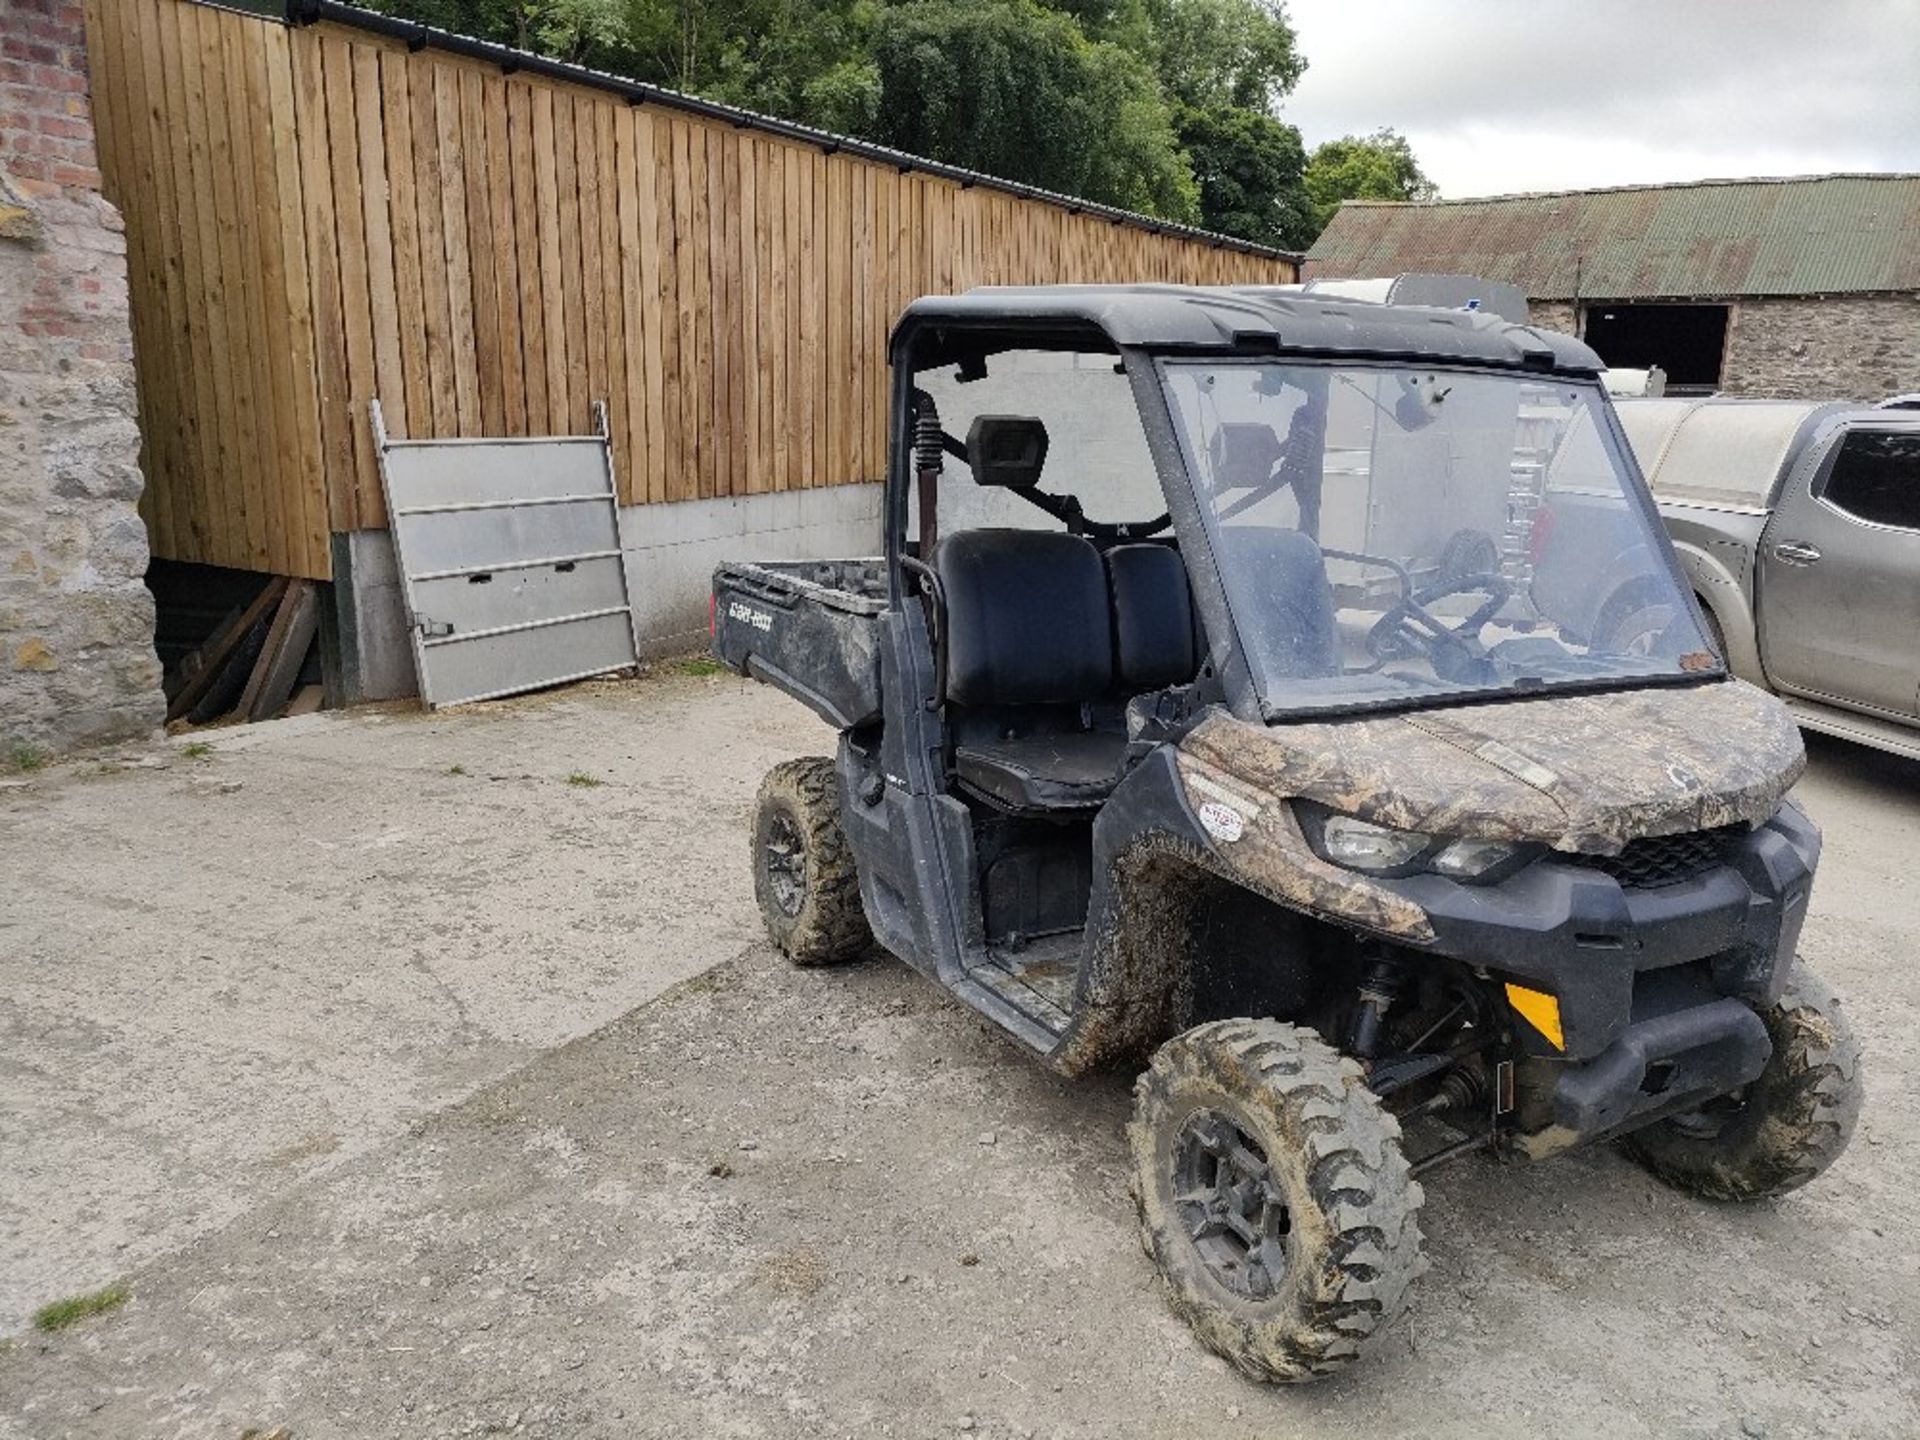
1842 347
1553 315
77 665
1837 347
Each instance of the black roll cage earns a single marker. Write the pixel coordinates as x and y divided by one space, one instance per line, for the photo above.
1225 675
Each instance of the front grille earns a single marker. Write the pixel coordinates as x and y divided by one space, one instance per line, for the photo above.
1665 859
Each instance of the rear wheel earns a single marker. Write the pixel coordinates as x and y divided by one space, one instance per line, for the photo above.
803 871
1274 1197
1786 1127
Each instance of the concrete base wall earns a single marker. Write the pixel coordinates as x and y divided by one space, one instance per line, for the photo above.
671 551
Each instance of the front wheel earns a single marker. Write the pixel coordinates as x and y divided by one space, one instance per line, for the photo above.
1786 1127
803 870
1273 1196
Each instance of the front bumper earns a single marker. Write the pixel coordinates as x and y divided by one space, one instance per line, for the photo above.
1592 943
1683 1047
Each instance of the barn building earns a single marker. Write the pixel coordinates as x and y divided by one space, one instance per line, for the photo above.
1802 288
230 234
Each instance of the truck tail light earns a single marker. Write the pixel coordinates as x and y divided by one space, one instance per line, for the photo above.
1542 531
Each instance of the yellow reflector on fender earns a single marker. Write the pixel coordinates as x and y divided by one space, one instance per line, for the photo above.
1541 1010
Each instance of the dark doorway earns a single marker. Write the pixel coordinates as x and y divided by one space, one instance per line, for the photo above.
1686 341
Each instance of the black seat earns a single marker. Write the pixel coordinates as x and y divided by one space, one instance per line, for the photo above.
1029 642
1292 618
1029 774
1153 629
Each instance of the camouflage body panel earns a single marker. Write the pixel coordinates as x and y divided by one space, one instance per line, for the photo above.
1582 773
1271 854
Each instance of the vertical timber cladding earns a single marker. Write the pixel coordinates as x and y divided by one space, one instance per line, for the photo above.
319 216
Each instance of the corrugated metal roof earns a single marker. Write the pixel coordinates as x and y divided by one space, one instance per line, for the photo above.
1825 234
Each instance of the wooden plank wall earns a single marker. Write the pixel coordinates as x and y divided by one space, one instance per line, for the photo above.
317 217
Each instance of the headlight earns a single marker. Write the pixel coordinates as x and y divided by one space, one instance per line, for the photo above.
1362 845
1470 859
1357 844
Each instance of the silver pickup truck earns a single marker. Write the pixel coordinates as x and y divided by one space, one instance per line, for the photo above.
1799 526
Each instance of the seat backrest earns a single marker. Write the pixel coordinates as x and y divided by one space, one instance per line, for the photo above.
1243 454
1153 632
1027 618
1283 574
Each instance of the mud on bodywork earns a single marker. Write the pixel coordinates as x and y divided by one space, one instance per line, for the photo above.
1270 851
1585 773
1136 985
1577 773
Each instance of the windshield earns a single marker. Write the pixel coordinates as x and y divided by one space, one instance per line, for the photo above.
1388 535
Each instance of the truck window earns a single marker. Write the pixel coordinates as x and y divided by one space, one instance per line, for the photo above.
1876 478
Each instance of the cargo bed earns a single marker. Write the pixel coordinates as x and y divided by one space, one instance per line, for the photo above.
808 627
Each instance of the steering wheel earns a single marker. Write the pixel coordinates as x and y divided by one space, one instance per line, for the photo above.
1409 628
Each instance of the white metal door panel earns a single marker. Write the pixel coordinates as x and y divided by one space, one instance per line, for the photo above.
515 595
435 541
508 662
509 558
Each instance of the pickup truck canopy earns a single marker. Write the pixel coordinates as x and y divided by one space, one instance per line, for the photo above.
1726 453
1263 320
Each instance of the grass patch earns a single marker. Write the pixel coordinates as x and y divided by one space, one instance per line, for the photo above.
702 666
707 982
197 750
75 1308
456 770
23 758
580 780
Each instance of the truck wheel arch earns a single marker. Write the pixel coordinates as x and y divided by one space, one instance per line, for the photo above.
1726 603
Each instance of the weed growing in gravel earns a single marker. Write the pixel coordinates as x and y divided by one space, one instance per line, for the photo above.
22 757
198 750
456 770
702 667
75 1308
583 781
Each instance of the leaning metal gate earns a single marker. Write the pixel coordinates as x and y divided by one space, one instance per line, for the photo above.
509 552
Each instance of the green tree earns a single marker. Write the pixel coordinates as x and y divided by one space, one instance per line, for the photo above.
1380 166
803 60
1015 90
575 30
1213 54
1250 170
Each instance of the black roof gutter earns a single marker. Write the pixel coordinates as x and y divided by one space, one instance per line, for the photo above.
510 61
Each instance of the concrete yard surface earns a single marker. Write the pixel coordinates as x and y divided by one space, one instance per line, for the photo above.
251 953
491 1117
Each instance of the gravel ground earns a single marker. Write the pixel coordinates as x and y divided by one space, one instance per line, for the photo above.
759 1202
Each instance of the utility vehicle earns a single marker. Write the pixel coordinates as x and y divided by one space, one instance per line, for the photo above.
1213 702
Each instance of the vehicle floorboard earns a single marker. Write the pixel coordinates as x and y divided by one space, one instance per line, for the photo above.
1038 977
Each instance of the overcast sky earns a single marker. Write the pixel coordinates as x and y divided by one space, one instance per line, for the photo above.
1500 96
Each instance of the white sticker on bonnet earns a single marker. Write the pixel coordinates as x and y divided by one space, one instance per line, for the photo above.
1223 822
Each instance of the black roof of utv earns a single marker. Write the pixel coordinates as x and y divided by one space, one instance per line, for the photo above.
1250 319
